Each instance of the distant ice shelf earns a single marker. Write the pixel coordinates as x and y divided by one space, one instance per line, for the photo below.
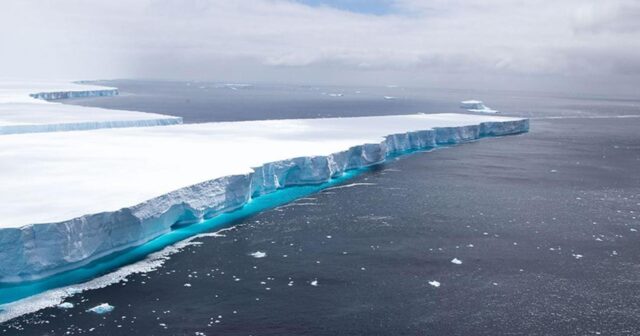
28 108
476 106
71 197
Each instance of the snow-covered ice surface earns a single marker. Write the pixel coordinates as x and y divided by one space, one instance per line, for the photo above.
24 110
71 197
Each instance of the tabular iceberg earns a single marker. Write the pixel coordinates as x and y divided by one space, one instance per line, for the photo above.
124 187
476 106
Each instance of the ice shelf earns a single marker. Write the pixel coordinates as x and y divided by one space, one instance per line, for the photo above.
27 108
71 197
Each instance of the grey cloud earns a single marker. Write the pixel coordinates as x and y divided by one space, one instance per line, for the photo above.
283 40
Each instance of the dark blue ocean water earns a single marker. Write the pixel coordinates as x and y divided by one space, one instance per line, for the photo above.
546 225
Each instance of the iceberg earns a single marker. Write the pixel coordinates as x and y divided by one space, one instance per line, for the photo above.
65 305
27 108
101 309
476 106
72 197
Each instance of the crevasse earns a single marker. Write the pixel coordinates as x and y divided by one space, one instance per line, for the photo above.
40 250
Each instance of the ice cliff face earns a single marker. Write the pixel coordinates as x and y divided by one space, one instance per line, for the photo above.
40 250
107 92
88 125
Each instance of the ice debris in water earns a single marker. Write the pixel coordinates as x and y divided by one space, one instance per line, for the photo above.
314 283
434 283
65 305
258 254
456 261
101 308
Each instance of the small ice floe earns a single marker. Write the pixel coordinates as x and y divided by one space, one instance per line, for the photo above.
101 308
314 283
65 305
335 94
633 230
476 106
329 237
456 261
434 283
236 86
577 256
614 253
187 285
390 98
258 254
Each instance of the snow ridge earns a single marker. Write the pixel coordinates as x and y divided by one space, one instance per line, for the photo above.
40 250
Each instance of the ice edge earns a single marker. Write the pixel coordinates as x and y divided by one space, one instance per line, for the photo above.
40 250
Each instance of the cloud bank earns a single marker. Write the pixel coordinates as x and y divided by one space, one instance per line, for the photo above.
593 45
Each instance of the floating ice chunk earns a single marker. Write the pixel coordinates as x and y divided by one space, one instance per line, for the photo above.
577 256
350 185
390 98
314 283
65 305
456 261
258 254
434 283
476 106
187 285
101 308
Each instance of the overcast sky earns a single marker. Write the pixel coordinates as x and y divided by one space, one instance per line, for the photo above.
573 45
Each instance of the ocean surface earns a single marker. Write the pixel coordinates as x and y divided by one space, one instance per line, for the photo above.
535 234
